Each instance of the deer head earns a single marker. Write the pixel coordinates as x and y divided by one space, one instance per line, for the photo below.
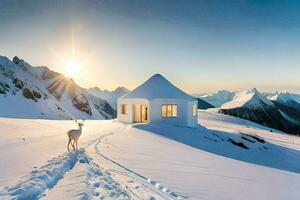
80 124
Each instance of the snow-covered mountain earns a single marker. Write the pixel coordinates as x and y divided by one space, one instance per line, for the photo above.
109 96
254 106
38 92
284 97
288 105
218 98
251 99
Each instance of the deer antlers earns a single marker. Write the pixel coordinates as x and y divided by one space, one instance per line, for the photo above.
82 121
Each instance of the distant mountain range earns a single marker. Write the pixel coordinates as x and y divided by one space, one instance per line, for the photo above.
38 92
109 96
218 98
280 110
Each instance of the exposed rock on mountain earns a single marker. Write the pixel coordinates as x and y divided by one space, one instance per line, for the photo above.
38 92
254 106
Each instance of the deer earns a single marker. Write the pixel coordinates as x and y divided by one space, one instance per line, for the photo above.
74 135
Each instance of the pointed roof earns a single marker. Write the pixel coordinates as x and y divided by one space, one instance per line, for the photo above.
157 87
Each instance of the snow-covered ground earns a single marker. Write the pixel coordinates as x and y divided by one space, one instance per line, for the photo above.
227 158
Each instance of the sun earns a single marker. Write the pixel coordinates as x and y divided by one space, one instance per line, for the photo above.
72 67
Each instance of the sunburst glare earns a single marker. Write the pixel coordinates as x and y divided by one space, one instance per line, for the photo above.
72 68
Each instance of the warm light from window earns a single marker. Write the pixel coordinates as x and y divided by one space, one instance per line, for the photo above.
174 110
164 111
124 109
169 110
195 110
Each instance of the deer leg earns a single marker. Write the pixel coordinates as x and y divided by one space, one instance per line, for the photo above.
69 145
76 145
73 145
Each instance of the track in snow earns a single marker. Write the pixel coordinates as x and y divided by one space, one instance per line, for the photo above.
101 183
33 185
152 185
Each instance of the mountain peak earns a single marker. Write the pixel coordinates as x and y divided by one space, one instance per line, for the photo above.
95 89
121 89
284 97
251 98
218 98
43 93
223 91
252 91
21 63
18 61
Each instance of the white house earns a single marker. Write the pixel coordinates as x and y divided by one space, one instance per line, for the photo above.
158 101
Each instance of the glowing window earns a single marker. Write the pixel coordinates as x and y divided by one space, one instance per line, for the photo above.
164 111
169 110
195 110
124 109
174 110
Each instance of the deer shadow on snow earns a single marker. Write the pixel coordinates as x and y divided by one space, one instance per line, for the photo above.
243 147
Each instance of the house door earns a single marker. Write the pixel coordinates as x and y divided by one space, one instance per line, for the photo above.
144 114
140 113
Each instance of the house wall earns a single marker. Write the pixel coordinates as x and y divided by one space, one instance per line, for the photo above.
184 112
128 118
191 120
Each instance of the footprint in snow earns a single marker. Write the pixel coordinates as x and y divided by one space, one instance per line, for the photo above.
82 161
97 184
96 194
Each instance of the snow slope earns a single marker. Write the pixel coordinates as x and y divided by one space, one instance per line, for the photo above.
250 99
222 97
279 113
284 97
288 104
224 158
38 92
218 98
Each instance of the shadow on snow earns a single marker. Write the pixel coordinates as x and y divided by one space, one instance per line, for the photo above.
249 148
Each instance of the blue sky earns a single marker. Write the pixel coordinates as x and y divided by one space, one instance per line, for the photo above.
201 46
